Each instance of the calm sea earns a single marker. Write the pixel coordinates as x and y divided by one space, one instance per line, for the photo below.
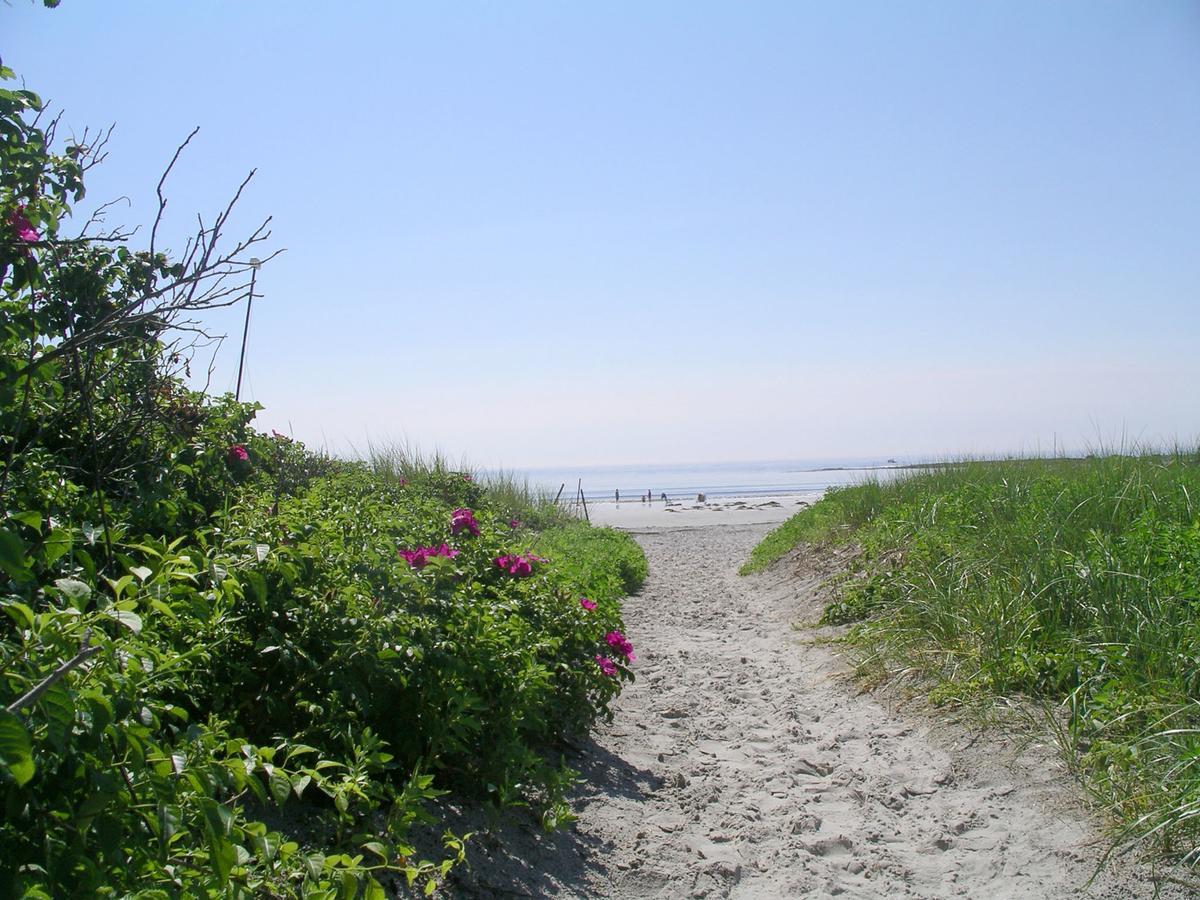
735 479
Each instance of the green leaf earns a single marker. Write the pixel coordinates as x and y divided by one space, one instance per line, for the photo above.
169 819
315 863
130 620
32 518
141 572
224 857
16 751
218 817
12 555
58 707
86 562
118 585
19 613
300 784
256 588
58 544
280 787
76 591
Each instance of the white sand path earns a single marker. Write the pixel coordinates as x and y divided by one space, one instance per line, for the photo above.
743 763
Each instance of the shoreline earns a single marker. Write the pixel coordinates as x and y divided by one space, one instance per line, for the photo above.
759 509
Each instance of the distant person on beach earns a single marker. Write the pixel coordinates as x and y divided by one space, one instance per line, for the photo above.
618 493
663 497
643 499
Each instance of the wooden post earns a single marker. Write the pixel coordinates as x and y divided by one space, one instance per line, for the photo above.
583 497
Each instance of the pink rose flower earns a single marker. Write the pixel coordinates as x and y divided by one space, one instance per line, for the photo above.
419 558
464 520
620 644
25 231
236 454
517 564
587 604
607 666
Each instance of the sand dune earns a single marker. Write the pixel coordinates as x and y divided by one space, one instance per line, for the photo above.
744 763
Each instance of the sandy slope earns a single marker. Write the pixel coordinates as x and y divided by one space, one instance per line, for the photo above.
744 764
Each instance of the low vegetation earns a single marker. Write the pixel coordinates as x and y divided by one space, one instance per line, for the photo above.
599 561
230 666
1072 582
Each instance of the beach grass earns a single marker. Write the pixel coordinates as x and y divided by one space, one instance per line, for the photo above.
1074 582
527 504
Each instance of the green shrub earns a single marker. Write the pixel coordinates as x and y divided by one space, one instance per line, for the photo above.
203 624
601 563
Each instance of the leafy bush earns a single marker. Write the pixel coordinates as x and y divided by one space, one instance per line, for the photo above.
602 563
203 624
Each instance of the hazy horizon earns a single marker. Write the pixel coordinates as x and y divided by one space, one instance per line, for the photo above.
544 235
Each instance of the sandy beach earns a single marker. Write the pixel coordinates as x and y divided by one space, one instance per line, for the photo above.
754 510
744 762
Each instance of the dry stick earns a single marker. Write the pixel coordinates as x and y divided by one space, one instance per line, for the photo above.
582 500
35 693
559 494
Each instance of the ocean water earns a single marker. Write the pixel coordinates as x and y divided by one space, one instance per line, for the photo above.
732 479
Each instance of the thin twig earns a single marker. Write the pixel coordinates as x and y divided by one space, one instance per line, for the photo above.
34 694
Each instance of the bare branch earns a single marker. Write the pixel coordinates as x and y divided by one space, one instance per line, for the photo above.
97 216
34 694
162 201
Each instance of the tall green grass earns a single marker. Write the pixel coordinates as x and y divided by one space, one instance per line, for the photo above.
1074 582
527 504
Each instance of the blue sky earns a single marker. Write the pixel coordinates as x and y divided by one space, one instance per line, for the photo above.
552 234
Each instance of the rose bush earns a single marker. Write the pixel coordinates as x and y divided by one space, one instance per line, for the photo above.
202 624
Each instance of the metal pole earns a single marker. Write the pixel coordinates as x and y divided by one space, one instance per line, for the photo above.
246 330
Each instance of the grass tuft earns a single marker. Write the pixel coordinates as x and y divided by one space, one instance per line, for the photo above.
508 493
